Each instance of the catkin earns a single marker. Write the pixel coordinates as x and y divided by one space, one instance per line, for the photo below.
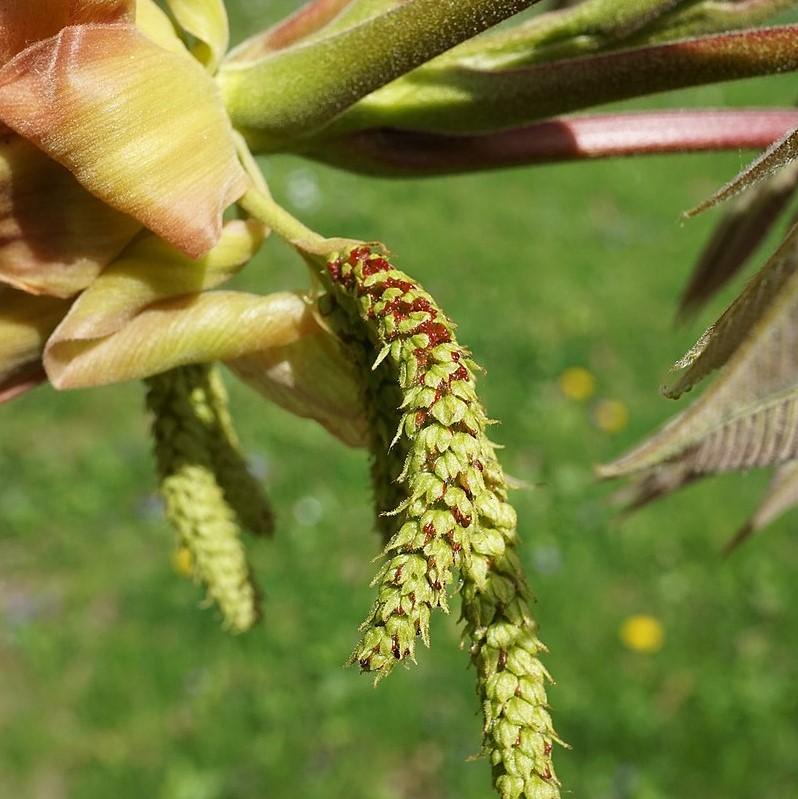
501 636
381 398
241 490
452 513
194 501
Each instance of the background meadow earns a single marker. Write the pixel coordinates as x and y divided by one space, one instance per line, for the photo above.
114 682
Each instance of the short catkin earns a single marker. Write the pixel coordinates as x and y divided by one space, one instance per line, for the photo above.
195 502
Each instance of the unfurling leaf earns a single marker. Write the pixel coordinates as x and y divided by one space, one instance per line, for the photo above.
782 494
723 338
150 270
653 485
749 416
153 142
23 22
195 502
207 21
737 236
25 324
775 157
55 237
214 326
311 378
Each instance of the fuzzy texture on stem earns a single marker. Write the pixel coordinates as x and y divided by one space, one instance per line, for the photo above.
195 501
462 100
295 91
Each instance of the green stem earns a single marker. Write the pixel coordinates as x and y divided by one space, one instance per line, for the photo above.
263 207
596 25
585 27
295 91
457 100
708 16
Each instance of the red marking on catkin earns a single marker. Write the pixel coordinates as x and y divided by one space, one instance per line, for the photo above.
374 265
435 332
334 269
357 254
429 532
463 519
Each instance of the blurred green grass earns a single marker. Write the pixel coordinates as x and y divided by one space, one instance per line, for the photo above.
114 682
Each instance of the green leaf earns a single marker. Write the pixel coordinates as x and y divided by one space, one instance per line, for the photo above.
295 91
723 338
737 236
781 496
749 416
774 158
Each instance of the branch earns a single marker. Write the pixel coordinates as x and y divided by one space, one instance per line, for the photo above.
407 153
458 100
601 25
294 91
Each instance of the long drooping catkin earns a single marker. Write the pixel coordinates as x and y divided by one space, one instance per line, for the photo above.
439 424
195 502
501 636
455 514
381 400
242 491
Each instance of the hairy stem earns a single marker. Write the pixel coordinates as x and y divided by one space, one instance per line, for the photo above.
458 100
295 91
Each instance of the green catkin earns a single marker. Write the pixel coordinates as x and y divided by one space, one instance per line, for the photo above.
194 501
241 490
501 635
381 400
440 420
456 515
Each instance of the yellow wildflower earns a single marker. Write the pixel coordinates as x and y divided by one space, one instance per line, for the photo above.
642 633
611 416
577 383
